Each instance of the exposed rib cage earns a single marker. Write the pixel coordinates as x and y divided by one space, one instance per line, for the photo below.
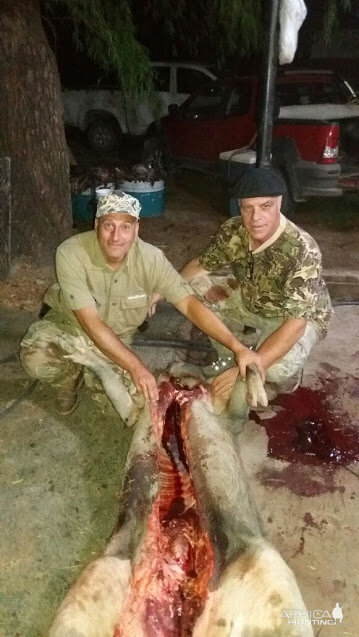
174 479
176 560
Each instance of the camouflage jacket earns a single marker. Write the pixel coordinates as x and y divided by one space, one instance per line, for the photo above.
281 278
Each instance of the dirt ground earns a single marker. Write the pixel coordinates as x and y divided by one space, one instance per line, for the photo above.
195 206
62 476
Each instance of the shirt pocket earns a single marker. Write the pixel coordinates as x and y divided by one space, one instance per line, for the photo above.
134 309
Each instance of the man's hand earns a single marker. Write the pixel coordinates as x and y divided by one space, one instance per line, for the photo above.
145 383
246 356
223 384
153 306
211 325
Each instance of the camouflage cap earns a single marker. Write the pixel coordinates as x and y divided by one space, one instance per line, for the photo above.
258 182
118 202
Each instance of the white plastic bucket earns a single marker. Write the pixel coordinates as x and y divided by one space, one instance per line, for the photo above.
101 191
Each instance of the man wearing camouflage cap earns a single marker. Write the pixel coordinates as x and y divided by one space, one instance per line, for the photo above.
275 286
106 282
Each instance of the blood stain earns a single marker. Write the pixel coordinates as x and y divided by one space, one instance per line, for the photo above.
313 437
308 431
301 479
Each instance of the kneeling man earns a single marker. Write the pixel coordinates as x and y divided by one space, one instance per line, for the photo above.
107 279
276 287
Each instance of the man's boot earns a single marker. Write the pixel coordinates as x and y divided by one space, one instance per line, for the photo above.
68 395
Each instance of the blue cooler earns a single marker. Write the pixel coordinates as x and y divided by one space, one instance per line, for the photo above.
83 207
150 195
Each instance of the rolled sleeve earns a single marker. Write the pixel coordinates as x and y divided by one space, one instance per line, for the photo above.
214 256
224 248
169 283
71 276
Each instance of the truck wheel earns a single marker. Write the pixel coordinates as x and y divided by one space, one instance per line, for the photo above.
288 203
103 135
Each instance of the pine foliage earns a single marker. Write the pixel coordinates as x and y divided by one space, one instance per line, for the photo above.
106 30
331 16
239 21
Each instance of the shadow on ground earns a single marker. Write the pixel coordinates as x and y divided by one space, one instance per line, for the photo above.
61 482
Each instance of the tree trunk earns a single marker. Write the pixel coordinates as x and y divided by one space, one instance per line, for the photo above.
32 133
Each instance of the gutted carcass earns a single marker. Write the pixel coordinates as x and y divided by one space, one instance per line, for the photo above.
188 556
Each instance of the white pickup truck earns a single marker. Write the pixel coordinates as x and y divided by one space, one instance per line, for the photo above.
104 113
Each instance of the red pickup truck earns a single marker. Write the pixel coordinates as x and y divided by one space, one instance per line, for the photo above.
315 136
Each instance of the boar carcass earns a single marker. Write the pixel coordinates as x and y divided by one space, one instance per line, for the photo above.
188 556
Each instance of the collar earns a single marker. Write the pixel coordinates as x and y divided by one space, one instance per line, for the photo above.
273 238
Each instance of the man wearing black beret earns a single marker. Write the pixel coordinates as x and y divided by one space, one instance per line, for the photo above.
275 287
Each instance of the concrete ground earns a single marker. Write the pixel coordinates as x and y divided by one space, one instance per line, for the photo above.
310 512
61 476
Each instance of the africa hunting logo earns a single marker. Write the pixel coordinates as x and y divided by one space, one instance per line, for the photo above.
314 617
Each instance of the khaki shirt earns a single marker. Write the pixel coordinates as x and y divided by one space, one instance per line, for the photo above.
122 297
281 278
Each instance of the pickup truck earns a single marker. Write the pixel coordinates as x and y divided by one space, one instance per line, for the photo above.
315 134
105 113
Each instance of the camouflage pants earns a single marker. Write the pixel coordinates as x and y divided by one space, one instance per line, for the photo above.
225 300
43 358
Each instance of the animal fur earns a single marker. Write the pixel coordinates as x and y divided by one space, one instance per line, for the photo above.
251 583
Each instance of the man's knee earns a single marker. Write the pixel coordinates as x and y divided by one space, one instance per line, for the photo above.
283 370
33 360
41 361
293 363
42 357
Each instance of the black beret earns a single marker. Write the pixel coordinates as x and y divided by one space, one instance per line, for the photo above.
258 182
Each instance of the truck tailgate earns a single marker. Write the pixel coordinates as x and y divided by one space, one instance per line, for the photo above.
310 136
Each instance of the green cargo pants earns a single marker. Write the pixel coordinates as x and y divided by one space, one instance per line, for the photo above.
43 358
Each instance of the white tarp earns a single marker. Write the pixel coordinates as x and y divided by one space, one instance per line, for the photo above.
291 17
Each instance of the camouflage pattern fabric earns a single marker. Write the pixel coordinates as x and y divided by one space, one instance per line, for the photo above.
278 280
224 296
118 202
43 358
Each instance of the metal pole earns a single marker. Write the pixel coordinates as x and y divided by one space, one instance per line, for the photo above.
270 58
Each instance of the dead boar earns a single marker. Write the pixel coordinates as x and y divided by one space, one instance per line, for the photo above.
188 557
